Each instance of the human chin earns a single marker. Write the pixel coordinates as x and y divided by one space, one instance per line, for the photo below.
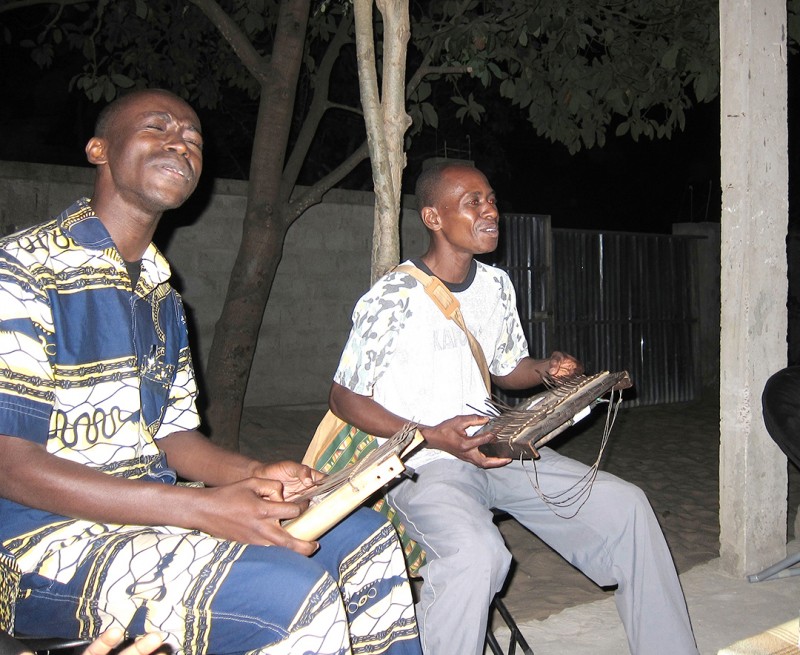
166 199
485 245
489 235
173 191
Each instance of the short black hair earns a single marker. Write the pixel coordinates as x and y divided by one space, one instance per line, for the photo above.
428 184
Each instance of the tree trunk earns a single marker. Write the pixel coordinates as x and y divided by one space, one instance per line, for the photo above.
264 230
386 120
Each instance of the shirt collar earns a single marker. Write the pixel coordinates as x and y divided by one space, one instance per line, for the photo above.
82 225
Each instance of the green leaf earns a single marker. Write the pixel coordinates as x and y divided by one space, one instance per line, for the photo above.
507 88
141 9
109 90
670 58
495 69
701 87
122 81
588 136
429 114
95 92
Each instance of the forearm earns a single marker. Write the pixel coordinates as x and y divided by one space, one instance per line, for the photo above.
195 457
532 372
31 476
528 373
249 511
449 436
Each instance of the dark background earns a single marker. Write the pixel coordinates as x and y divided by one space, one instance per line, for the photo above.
630 186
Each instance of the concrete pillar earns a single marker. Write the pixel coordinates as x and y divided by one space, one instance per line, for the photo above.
753 474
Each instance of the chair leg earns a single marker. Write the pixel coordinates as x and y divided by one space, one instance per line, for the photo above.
778 570
516 638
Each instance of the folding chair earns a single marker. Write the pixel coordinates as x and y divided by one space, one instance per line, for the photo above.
780 403
19 644
515 639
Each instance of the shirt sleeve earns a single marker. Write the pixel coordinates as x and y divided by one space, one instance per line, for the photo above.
378 318
512 346
26 374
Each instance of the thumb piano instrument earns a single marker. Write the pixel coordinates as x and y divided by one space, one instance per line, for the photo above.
342 492
520 430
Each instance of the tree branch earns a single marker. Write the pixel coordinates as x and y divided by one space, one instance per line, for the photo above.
238 41
314 193
424 70
319 105
349 108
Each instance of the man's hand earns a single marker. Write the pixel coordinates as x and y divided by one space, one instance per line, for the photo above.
250 512
295 477
561 365
111 638
451 437
242 507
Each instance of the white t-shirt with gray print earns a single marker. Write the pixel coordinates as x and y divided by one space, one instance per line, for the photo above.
411 359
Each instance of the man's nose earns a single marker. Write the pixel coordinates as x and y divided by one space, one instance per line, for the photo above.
176 142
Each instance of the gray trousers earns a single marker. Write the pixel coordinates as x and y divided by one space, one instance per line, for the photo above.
614 539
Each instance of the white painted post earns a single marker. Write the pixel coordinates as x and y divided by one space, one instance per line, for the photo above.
753 474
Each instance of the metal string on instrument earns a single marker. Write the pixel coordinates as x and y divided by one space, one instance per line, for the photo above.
576 495
520 430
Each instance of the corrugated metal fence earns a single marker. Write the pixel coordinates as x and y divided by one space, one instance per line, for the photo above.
617 301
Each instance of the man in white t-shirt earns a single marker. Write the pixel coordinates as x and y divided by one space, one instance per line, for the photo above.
405 361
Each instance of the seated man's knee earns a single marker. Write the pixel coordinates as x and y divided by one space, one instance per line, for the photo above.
617 492
484 555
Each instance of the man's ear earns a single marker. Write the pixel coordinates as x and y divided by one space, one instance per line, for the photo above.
96 150
431 219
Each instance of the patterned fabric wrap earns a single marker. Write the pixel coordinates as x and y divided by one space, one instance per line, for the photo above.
9 586
209 595
346 445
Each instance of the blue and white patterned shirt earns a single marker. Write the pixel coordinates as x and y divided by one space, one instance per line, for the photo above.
89 368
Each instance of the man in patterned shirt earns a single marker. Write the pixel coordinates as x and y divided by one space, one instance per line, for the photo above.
98 418
405 361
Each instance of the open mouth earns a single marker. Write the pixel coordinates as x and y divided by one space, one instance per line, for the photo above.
178 171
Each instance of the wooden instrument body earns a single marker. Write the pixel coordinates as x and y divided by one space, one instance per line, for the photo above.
520 430
342 492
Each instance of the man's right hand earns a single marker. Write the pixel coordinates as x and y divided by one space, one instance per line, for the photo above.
451 437
250 512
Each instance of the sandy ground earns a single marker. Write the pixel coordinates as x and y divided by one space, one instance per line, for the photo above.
670 451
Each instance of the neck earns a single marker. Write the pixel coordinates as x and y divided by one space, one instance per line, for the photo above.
131 231
451 268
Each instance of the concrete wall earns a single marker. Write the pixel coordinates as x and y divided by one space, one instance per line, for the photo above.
325 268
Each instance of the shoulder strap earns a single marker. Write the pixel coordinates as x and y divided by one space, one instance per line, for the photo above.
451 308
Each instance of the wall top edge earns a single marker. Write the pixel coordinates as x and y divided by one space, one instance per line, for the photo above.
220 186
